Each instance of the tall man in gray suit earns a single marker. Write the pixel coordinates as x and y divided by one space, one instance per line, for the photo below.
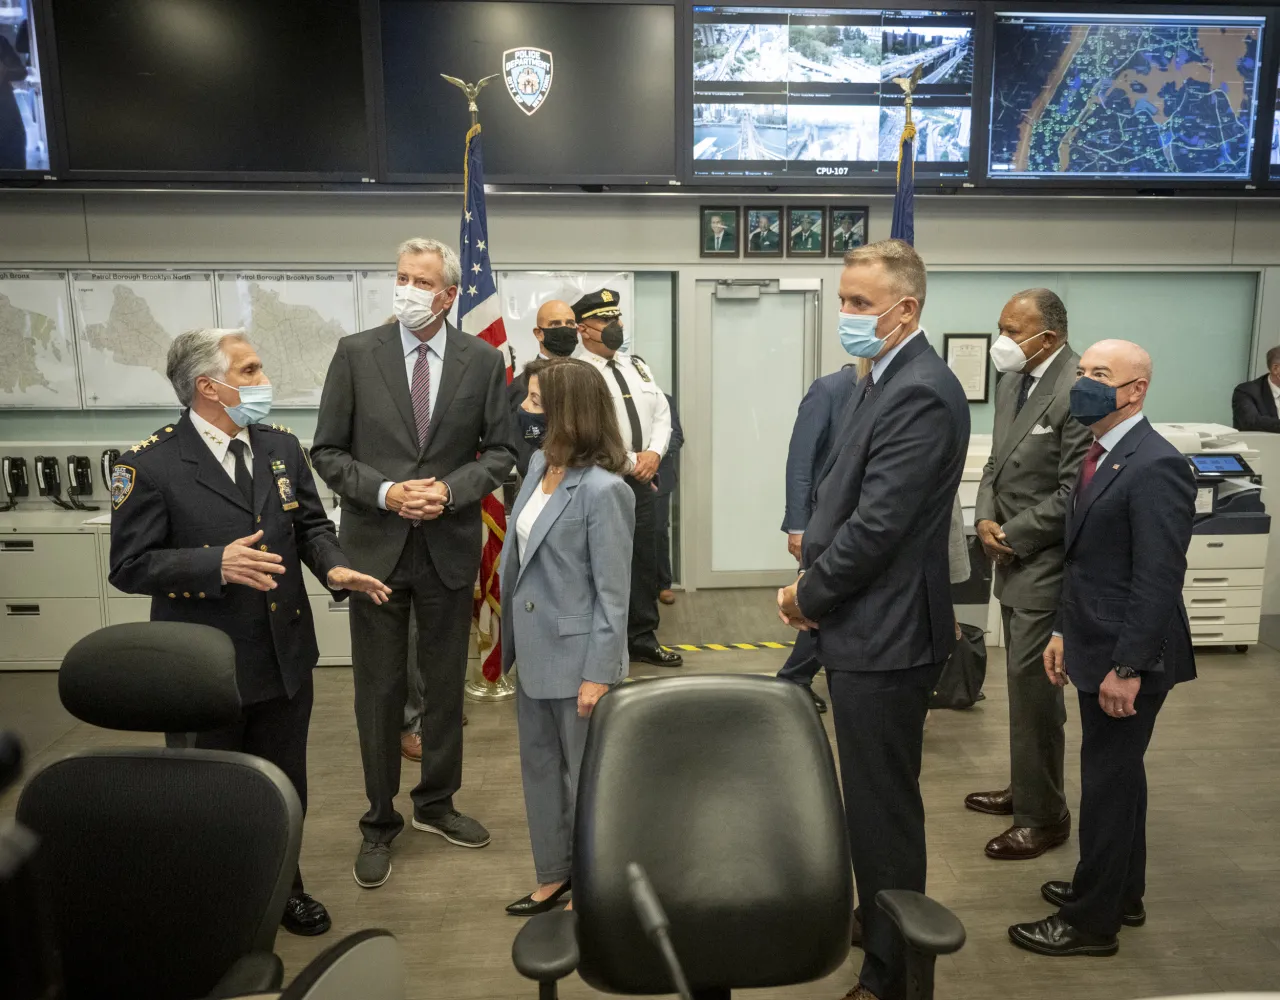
1036 454
413 431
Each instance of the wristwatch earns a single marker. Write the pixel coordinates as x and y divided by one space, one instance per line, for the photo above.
1125 673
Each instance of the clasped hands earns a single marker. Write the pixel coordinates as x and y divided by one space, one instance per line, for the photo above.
789 611
992 537
418 499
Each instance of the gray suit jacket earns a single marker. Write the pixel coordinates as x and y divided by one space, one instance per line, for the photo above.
1027 480
566 601
365 434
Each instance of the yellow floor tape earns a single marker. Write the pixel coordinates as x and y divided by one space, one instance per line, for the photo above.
717 647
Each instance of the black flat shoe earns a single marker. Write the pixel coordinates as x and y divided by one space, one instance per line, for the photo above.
657 657
1060 893
528 906
816 698
305 916
1055 937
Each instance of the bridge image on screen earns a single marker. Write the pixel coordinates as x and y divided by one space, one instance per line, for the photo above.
1102 97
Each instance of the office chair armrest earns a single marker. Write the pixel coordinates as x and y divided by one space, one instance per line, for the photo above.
546 949
256 972
926 925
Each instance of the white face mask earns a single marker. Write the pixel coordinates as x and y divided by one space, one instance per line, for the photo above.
414 307
1007 354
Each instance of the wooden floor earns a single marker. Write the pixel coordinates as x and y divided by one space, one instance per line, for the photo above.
1214 834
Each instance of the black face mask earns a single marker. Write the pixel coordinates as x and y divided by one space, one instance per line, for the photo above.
560 340
611 336
533 426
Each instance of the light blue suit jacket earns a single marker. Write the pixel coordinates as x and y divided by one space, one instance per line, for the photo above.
565 603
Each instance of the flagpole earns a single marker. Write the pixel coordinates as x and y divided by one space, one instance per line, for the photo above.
477 687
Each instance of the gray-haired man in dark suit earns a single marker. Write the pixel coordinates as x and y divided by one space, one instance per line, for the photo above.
413 431
1035 457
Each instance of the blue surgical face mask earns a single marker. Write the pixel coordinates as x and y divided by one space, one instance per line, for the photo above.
255 403
1092 400
858 332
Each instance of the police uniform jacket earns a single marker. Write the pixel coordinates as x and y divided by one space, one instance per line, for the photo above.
174 509
649 400
806 241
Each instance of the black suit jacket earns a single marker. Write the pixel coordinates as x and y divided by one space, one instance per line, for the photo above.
175 509
1253 407
365 435
1126 560
668 477
817 424
877 577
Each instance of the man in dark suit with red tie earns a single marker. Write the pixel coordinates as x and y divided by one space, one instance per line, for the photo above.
1122 637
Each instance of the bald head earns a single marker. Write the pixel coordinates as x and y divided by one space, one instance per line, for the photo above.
555 313
1126 368
557 330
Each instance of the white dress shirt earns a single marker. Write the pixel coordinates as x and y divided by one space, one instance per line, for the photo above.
1112 438
529 517
1275 392
1037 373
881 363
220 444
650 402
435 365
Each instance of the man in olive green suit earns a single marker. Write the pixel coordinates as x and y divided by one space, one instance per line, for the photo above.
1037 448
807 237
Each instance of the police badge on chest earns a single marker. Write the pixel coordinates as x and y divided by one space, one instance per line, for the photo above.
288 499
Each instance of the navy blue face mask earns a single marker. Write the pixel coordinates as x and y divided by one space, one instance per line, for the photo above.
533 426
1092 400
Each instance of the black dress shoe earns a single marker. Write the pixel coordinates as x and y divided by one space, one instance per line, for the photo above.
818 703
1055 937
1060 893
304 915
657 656
528 906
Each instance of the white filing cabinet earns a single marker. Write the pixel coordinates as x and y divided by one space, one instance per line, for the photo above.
50 587
1223 588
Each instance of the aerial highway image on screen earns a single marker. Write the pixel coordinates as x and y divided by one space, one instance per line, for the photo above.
740 131
1100 97
942 134
945 54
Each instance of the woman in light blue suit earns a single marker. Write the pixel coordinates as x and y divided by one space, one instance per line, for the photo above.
566 583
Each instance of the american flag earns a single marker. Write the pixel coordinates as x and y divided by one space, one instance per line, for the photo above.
480 314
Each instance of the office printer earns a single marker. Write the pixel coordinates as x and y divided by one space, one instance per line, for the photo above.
1227 556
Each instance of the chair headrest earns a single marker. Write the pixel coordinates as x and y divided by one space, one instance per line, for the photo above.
152 677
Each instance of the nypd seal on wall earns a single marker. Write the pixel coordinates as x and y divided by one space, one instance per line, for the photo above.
528 76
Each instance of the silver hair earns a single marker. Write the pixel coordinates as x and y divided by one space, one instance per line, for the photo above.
195 354
448 256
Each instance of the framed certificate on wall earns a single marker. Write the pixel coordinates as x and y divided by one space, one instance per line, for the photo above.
966 355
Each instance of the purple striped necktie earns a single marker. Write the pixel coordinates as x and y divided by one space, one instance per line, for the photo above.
421 392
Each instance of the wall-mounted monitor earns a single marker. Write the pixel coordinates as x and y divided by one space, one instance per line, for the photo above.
1124 97
798 93
583 92
213 88
24 137
1274 168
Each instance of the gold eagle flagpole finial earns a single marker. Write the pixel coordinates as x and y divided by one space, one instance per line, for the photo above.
471 91
908 85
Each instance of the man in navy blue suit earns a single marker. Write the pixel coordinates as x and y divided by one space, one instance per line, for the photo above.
817 422
876 580
1122 637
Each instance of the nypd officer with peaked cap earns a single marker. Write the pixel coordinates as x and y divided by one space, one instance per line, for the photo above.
214 516
644 418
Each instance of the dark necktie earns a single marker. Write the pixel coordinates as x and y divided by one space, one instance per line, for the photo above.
421 392
244 478
1090 465
869 389
633 415
1024 391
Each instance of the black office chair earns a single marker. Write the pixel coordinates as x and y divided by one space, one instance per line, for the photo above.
165 871
367 965
724 790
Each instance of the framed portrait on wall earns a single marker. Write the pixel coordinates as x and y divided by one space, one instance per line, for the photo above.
764 233
805 231
966 355
848 228
719 232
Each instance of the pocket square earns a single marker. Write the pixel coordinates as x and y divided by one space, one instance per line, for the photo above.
1041 430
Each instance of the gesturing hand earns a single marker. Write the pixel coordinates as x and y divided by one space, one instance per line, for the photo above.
1117 695
1055 662
345 578
242 563
589 692
992 538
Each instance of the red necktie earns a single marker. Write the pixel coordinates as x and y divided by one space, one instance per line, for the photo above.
1090 465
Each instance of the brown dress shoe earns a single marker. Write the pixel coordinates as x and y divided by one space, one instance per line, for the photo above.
1022 843
860 992
411 746
667 596
993 803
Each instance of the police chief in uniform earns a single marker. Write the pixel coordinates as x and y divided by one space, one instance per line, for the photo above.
213 516
645 421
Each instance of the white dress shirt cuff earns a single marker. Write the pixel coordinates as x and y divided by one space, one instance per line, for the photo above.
631 462
382 493
1057 635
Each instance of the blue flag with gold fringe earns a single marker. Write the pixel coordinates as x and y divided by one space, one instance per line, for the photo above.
904 198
